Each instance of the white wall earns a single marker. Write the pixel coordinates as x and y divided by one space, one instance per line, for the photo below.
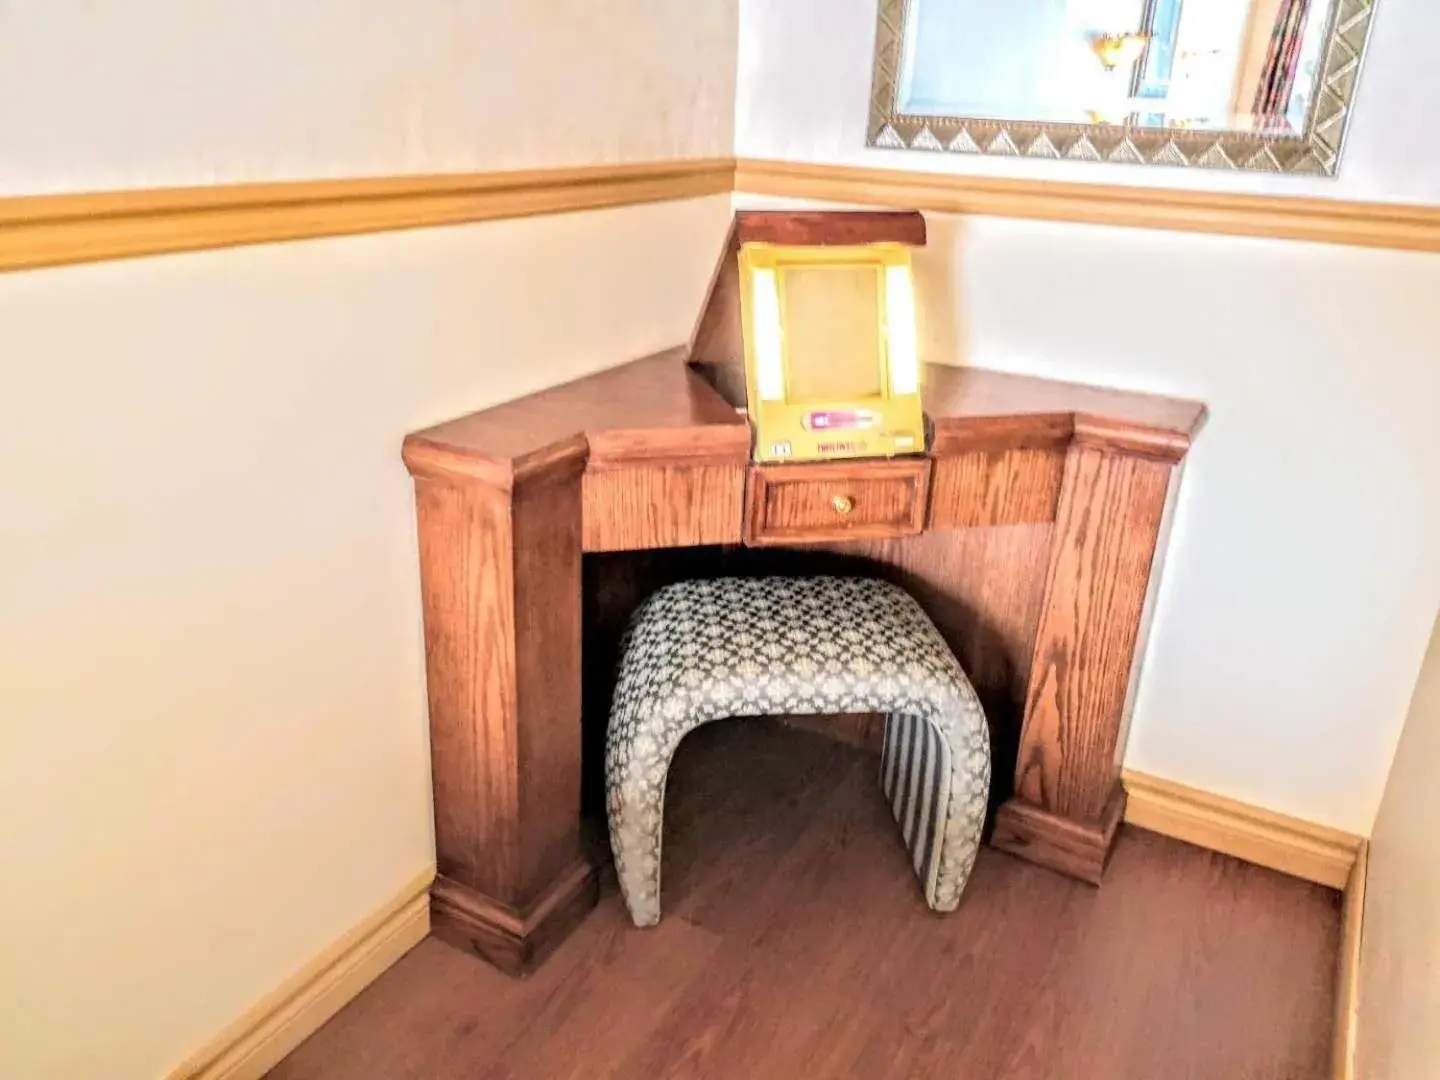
1304 570
804 90
213 751
1400 955
100 94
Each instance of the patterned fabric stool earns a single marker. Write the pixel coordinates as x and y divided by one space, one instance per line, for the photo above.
707 650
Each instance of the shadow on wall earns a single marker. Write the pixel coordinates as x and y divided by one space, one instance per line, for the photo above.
945 326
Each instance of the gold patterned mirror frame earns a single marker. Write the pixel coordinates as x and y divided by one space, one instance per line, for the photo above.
1315 153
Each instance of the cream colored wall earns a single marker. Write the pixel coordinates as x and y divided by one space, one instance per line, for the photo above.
213 751
1400 954
98 94
1304 567
214 756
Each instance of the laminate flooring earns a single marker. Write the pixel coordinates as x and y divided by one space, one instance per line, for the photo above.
795 944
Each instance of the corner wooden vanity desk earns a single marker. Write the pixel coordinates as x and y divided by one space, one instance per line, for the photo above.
1028 531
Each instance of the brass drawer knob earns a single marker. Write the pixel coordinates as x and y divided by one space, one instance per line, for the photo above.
843 504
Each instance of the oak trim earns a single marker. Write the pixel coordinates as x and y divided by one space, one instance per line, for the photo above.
261 1036
650 505
1347 975
57 230
1401 226
1299 848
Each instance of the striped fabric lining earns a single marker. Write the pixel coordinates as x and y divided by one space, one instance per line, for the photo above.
915 776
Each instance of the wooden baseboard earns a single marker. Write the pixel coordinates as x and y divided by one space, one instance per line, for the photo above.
1347 985
284 1018
1299 848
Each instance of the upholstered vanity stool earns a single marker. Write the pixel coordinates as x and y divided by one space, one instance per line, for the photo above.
726 647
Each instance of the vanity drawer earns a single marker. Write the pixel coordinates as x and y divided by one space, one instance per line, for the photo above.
788 504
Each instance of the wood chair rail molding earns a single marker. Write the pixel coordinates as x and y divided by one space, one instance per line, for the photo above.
1027 530
1403 226
57 230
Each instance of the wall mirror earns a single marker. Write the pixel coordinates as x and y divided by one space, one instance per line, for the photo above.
1233 84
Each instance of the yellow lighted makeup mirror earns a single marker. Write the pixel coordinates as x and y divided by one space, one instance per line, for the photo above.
828 337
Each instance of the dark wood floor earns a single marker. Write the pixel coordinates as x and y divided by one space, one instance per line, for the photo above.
795 944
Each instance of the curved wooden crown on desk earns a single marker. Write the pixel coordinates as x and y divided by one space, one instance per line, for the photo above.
1028 531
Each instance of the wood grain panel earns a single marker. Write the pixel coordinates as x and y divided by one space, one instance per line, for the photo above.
500 585
983 588
995 487
789 503
805 505
462 530
545 727
1105 535
628 508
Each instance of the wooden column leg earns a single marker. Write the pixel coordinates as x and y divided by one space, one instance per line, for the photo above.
500 579
1068 801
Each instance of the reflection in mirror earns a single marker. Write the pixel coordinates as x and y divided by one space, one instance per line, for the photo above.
1237 83
1239 65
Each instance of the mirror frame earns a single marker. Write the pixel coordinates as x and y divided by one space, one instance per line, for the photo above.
1316 152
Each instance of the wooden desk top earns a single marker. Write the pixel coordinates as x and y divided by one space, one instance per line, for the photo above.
651 408
973 408
658 408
